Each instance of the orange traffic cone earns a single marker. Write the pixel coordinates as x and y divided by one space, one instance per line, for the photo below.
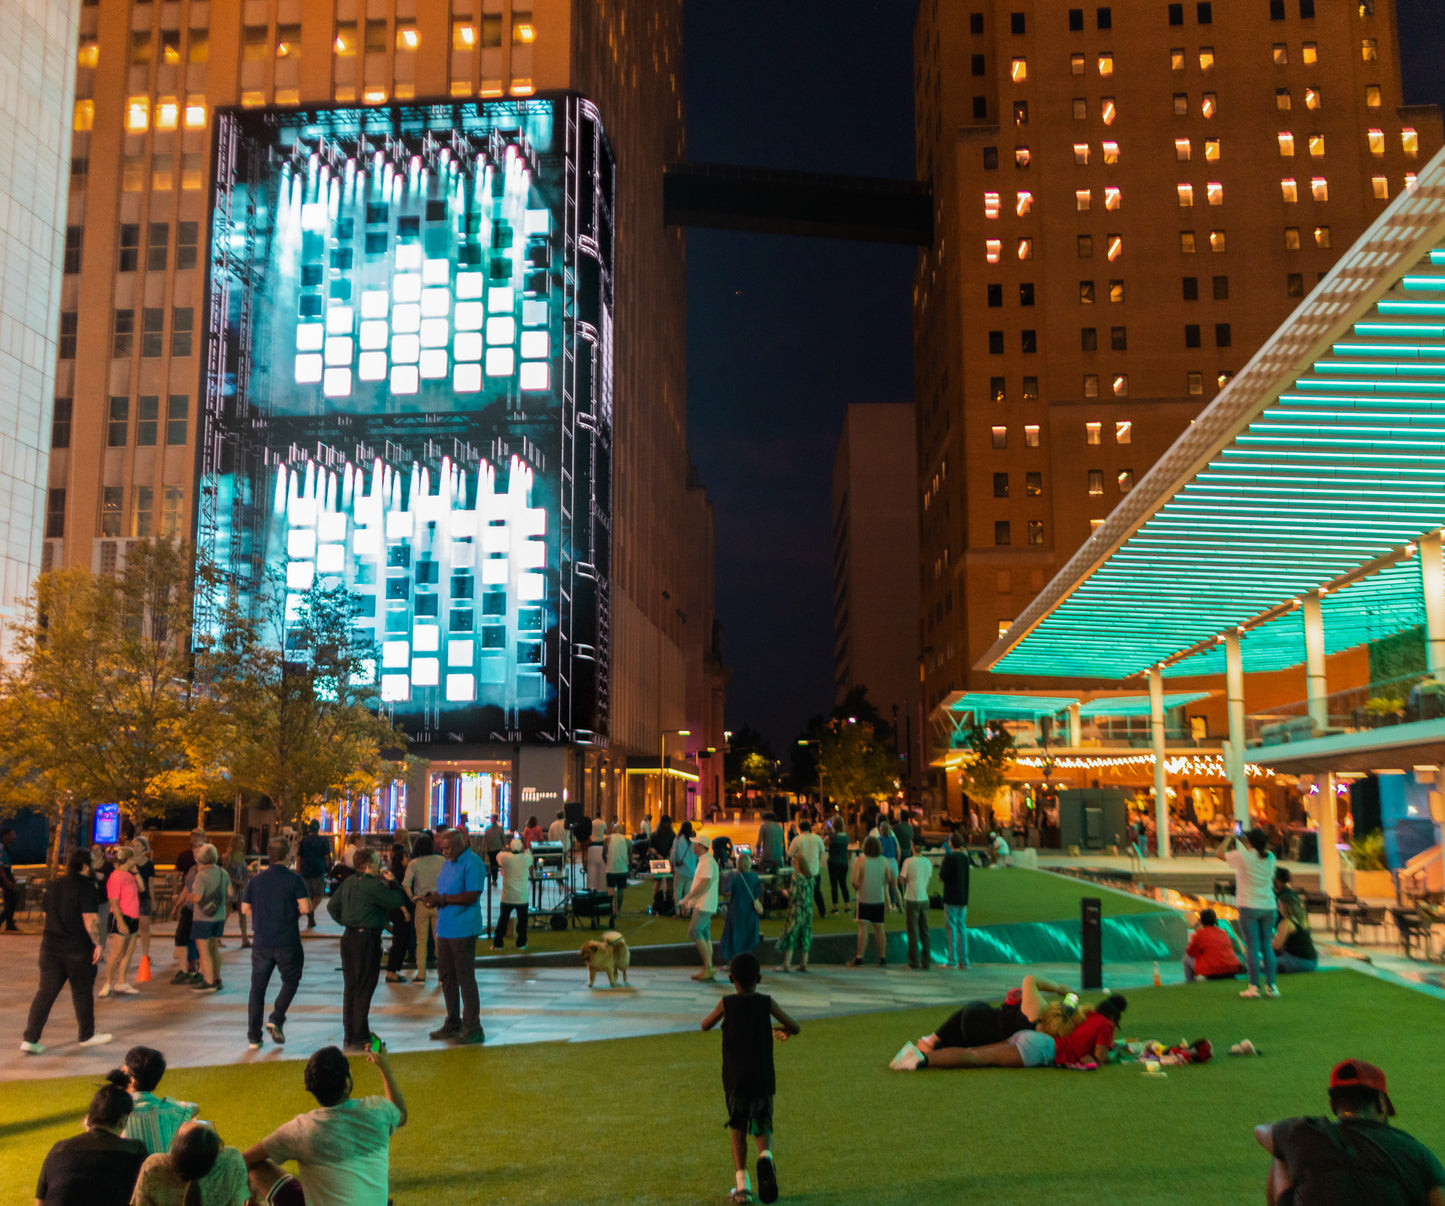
143 975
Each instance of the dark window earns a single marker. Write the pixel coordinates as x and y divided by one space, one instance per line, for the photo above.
1294 284
1191 288
129 247
995 343
158 238
1076 19
975 23
1028 342
73 237
1191 335
1221 288
153 339
997 389
183 320
980 111
60 424
1089 339
1016 23
123 333
69 321
1176 14
54 514
1086 247
1205 13
1033 484
1106 19
118 421
1000 531
1221 335
79 168
147 420
1119 339
1036 531
1276 10
186 237
1086 293
978 65
990 157
995 295
1307 10
1000 485
1026 293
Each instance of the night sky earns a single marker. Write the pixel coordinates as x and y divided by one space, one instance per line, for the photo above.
783 333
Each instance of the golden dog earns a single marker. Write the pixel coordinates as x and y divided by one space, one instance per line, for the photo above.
608 955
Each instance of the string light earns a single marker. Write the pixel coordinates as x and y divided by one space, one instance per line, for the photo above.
1175 764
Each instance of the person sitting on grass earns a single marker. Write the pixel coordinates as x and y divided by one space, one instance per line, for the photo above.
1294 947
979 1023
97 1167
1212 953
342 1150
1356 1156
154 1121
1083 1037
749 1082
199 1170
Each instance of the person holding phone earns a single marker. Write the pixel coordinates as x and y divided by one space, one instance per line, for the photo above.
361 905
1254 894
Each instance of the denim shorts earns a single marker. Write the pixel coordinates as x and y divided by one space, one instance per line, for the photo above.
201 930
1037 1049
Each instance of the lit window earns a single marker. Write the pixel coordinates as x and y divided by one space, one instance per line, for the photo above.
1121 385
1116 293
1000 437
1369 50
168 113
1106 110
374 96
1194 382
1091 385
1115 245
1381 188
1081 108
1322 236
1082 199
1123 431
1377 142
1409 179
1281 55
1289 191
1081 153
1021 157
1026 249
1317 145
1410 142
1096 481
195 112
1206 58
1076 64
1036 531
524 33
1291 238
464 35
1224 377
1216 240
1111 197
1031 435
1093 433
1182 149
1186 242
1125 479
88 54
1106 64
407 37
345 44
253 100
1320 188
1019 70
1181 104
1313 98
1372 96
1208 103
1186 195
1214 191
1176 59
1021 113
1311 53
990 205
1111 153
991 249
1286 144
1281 99
1211 150
137 113
1023 202
1095 525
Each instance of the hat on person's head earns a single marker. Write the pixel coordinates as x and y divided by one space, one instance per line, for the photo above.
699 840
1356 1074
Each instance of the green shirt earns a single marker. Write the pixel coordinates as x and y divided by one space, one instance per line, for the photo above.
364 901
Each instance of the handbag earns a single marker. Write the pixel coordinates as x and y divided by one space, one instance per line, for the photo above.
757 904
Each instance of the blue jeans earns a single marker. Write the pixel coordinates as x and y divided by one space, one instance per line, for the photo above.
956 919
1255 926
1287 964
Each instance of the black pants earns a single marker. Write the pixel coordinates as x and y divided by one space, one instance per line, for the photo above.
265 960
360 969
818 895
501 932
838 881
56 968
457 970
9 899
403 940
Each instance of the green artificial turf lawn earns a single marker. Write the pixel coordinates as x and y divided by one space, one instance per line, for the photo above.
640 1120
996 897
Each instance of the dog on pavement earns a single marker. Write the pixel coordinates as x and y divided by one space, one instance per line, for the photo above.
608 956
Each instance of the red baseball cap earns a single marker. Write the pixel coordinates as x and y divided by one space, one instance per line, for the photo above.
1356 1074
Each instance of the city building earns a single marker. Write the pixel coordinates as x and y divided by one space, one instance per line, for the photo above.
707 673
385 297
875 567
37 80
1129 199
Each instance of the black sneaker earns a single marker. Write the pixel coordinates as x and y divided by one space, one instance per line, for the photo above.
446 1032
469 1036
767 1180
182 977
278 1036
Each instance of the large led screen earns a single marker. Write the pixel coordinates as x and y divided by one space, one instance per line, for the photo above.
409 393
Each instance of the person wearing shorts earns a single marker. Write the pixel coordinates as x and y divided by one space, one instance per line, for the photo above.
872 878
207 896
616 851
1036 1049
123 889
701 898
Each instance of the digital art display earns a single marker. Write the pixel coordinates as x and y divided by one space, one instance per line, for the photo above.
409 393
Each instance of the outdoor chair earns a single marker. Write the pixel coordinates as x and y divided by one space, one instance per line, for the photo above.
1412 927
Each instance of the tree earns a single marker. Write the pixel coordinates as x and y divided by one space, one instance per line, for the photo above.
749 761
854 764
989 752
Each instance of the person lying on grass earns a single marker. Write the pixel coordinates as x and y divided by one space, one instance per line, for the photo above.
1081 1036
979 1023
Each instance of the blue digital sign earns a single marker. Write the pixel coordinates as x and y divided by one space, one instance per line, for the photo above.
409 394
106 829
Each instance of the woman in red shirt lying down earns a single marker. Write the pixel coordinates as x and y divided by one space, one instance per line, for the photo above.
1087 1036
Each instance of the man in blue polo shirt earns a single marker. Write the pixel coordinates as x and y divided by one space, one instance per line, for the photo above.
274 901
459 921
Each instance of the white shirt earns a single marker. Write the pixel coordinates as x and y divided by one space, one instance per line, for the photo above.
516 867
917 874
1000 847
557 831
1253 878
703 895
348 856
618 853
342 1152
810 847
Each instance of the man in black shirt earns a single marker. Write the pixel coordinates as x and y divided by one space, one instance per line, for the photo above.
68 952
97 1168
313 860
274 901
1353 1158
954 873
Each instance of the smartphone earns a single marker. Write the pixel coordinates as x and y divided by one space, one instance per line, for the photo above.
1238 828
374 1043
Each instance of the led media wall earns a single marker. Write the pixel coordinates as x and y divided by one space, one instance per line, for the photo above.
409 392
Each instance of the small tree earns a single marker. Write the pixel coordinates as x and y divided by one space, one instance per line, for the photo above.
989 752
854 765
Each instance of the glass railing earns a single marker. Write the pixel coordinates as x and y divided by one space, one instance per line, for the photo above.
1385 702
1028 736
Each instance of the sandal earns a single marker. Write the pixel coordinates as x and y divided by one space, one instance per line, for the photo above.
854 962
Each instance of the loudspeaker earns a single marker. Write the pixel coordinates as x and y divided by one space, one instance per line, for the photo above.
572 812
1091 943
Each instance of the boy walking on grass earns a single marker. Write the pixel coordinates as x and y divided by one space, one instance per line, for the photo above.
747 1018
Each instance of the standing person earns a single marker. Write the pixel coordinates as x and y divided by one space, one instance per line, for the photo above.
68 952
797 932
155 1120
532 832
9 890
662 838
749 1080
342 1149
97 1167
403 921
888 843
145 871
744 891
872 877
515 864
421 882
207 897
838 862
617 853
684 864
810 848
360 905
123 890
494 837
916 875
1356 1156
236 870
954 872
557 828
313 859
1254 894
770 844
903 831
459 921
275 901
701 898
187 956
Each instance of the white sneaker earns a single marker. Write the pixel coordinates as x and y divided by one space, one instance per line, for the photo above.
96 1040
910 1059
1251 992
127 990
104 992
1272 990
31 1048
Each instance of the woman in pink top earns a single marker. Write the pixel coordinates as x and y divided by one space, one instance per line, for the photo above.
123 891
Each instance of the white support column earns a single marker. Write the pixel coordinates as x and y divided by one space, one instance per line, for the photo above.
1156 730
1432 582
1329 853
1076 727
1316 690
1234 689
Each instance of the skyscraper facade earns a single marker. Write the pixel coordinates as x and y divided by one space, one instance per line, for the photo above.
1129 199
